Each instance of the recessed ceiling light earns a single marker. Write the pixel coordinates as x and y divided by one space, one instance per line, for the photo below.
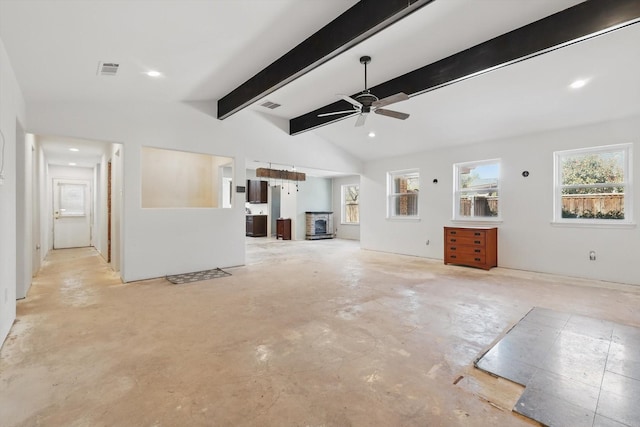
154 73
577 84
372 134
73 149
72 164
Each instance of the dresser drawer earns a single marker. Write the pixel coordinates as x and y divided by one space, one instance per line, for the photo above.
466 259
465 250
465 232
466 240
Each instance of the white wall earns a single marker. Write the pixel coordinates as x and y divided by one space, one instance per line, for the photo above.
36 194
526 238
117 207
43 177
343 231
12 109
157 242
25 147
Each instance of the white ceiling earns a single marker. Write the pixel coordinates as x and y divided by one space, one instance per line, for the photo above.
58 151
206 48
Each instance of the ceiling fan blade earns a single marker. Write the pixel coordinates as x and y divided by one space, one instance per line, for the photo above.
350 100
400 96
361 119
391 113
337 112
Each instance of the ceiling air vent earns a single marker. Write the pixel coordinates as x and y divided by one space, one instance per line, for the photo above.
107 68
270 105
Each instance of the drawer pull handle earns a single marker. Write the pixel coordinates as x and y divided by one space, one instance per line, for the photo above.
477 242
476 234
477 259
452 232
453 248
453 256
453 240
477 251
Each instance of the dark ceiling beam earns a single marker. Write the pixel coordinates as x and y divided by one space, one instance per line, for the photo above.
361 21
577 23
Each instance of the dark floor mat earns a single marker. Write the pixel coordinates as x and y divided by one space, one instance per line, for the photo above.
197 276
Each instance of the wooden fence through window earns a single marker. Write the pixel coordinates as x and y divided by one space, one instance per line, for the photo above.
482 206
605 203
576 204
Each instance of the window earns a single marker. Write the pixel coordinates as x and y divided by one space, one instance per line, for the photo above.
402 189
477 189
72 199
593 185
350 207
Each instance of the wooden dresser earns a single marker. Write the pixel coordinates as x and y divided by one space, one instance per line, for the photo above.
474 247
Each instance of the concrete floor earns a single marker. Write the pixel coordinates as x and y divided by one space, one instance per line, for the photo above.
307 334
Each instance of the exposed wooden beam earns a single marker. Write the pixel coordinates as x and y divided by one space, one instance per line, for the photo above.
571 25
280 174
361 21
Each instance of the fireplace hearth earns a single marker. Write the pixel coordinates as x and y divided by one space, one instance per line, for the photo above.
319 225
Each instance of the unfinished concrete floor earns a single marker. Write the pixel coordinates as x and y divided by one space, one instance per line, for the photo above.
310 333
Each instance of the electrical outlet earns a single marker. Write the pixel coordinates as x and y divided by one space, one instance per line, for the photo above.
592 255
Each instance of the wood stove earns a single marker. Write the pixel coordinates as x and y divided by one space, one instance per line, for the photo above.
319 225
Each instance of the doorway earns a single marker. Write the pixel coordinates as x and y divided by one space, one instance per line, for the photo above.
71 213
275 208
109 211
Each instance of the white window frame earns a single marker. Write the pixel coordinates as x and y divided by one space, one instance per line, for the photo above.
627 185
391 195
343 219
457 191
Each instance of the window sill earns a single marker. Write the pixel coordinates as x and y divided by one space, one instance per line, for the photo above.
593 224
349 223
401 219
477 221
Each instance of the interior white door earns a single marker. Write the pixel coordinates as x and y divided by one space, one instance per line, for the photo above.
71 213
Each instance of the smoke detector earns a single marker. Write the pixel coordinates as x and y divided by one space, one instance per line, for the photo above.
107 68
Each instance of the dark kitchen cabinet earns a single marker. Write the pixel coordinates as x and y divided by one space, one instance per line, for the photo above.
283 228
256 225
257 191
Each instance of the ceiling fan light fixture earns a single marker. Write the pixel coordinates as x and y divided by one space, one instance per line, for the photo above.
365 102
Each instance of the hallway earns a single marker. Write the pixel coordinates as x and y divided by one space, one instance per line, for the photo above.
309 333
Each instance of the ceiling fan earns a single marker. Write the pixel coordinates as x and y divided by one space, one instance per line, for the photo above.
366 102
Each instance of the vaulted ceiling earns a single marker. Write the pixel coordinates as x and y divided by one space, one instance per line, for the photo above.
206 49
